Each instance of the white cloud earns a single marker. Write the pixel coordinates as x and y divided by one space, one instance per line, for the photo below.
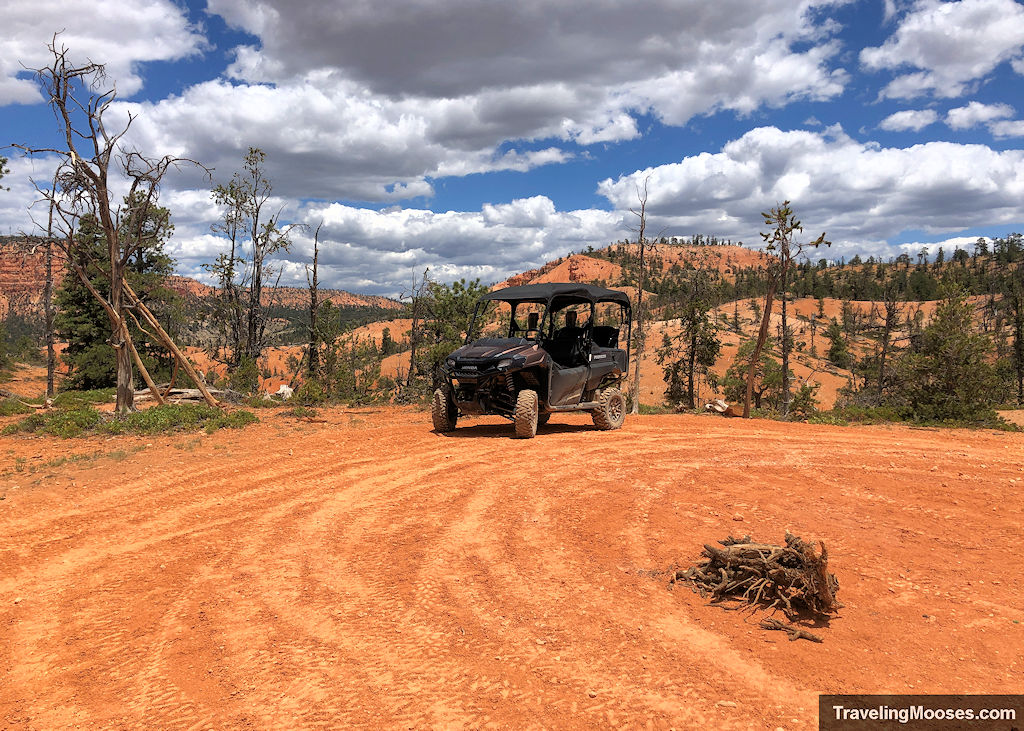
364 103
453 48
326 138
951 44
18 207
947 245
915 119
117 33
977 113
378 251
1007 128
861 194
372 102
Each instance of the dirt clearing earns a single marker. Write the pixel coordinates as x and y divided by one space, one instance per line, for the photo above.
367 571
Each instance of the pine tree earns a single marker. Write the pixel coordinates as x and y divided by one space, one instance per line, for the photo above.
947 372
838 350
766 387
81 320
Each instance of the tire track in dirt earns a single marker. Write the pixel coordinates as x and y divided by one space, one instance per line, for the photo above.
368 572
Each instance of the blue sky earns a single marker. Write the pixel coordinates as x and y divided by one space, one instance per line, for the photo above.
482 138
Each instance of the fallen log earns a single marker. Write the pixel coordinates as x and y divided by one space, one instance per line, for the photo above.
792 578
189 394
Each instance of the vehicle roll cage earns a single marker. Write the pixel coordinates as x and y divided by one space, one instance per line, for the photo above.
562 294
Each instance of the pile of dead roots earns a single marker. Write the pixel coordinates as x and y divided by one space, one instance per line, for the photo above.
792 578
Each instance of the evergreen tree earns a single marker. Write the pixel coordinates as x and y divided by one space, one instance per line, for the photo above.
447 313
947 372
81 320
693 352
766 388
388 346
838 350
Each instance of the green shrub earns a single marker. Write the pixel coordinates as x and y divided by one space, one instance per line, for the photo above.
246 377
160 419
651 410
233 420
302 412
830 418
75 399
177 417
60 423
310 393
259 401
804 403
866 415
13 407
870 414
155 420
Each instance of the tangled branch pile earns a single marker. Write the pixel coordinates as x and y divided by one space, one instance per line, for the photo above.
792 578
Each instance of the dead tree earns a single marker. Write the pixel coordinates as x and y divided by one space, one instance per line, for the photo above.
312 279
780 240
90 153
415 295
51 355
641 319
245 272
892 311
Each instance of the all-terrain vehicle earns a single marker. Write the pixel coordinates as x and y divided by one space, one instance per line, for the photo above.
539 349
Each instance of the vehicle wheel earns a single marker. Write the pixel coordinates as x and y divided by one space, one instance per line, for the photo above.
526 414
443 412
543 419
611 409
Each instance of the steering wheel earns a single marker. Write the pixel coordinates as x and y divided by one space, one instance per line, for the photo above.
578 353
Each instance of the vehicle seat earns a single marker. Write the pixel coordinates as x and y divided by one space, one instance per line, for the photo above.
566 348
606 336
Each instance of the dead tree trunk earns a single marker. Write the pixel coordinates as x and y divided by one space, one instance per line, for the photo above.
314 283
51 356
1018 338
780 239
640 283
784 342
169 344
86 150
762 335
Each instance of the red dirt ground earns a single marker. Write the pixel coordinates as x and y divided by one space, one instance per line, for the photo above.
368 572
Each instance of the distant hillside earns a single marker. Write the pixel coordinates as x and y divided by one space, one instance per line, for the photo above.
611 264
289 297
23 275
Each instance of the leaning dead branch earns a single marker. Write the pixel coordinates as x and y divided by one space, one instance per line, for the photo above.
792 578
795 633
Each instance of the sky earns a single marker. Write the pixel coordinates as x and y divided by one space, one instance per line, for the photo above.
482 138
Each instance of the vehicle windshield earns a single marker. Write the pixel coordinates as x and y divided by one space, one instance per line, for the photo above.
498 319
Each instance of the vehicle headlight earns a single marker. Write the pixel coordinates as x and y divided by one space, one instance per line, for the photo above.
451 362
505 363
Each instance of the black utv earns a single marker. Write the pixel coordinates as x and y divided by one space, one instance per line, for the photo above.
536 350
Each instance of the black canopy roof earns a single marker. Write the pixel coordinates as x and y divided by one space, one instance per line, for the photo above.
549 291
